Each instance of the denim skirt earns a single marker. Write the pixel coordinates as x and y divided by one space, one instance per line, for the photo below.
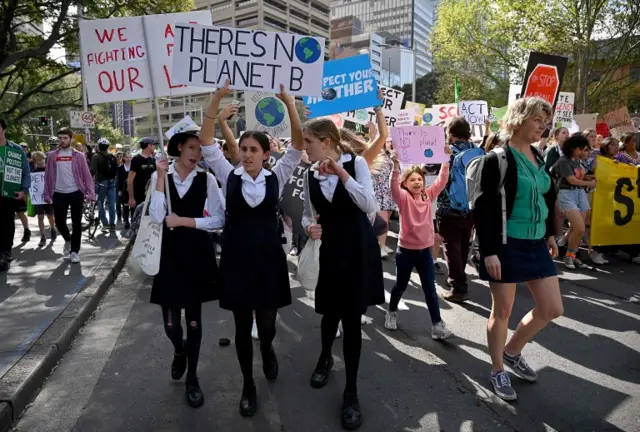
522 261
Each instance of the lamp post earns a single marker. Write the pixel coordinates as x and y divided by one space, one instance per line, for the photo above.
411 50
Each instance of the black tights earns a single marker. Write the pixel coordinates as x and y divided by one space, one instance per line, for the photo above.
351 343
266 322
173 328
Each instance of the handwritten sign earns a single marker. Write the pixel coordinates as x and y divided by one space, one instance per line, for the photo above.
474 112
563 116
586 121
117 63
406 117
418 109
266 113
391 106
444 113
419 144
180 126
36 191
251 59
10 171
619 122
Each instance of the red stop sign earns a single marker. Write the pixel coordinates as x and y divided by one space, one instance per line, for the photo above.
543 82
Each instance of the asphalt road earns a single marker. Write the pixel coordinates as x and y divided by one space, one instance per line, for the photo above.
116 376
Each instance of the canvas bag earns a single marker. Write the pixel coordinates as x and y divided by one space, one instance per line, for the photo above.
145 254
309 261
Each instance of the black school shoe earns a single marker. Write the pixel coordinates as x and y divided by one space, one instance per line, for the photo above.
270 365
179 364
320 376
195 397
249 401
351 417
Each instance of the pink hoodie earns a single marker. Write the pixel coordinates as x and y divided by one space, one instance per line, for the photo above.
80 172
416 218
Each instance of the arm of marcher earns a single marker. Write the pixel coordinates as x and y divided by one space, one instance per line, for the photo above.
158 204
361 191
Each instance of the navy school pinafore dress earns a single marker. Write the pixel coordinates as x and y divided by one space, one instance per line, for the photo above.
253 265
188 269
350 276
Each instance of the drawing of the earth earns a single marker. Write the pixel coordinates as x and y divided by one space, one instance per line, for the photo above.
308 50
329 94
428 153
270 112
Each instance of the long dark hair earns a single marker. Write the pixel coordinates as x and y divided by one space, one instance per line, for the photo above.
262 139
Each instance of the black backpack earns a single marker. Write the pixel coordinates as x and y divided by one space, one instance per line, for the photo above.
108 166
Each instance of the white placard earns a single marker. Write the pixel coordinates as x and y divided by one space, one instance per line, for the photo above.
443 113
266 113
251 59
115 57
474 112
564 109
36 191
391 106
514 92
179 127
406 117
82 119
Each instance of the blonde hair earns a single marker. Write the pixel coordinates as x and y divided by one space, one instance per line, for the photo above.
37 156
359 145
408 172
553 136
493 141
325 128
520 111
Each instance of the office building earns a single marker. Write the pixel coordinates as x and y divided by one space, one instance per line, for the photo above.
348 39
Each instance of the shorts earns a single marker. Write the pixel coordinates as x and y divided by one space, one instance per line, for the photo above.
573 199
522 261
21 207
44 209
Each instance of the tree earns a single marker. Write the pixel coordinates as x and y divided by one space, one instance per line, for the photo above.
487 42
426 87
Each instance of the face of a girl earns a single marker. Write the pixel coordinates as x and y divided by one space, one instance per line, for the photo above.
190 153
274 144
533 127
414 183
630 145
581 153
127 160
252 155
563 134
317 150
592 139
599 139
612 149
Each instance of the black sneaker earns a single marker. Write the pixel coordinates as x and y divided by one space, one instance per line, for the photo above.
195 397
127 226
112 228
54 234
26 236
43 241
351 417
320 376
249 401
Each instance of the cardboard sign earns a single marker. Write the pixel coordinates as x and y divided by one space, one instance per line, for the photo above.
11 161
474 112
419 144
443 113
418 108
496 116
348 84
406 117
586 121
543 77
117 63
337 119
391 106
602 129
615 216
266 113
619 122
36 191
563 116
82 119
179 127
292 200
251 59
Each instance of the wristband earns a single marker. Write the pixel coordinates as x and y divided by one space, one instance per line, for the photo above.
207 116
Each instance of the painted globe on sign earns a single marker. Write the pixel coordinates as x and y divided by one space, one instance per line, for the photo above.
307 50
270 112
427 118
428 153
329 94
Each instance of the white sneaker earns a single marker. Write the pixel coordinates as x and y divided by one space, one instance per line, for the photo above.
67 248
391 320
383 254
338 332
440 331
387 249
218 249
293 251
105 229
74 258
598 258
254 331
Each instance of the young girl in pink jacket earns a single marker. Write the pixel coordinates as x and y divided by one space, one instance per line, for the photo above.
416 238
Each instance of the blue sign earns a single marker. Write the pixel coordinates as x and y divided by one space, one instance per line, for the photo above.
348 84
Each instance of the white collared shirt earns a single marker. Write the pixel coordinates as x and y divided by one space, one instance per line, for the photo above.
360 191
253 191
214 203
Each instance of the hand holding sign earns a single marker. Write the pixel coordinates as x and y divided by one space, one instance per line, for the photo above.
285 97
420 144
227 112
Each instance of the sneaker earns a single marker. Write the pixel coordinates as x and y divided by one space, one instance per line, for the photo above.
112 228
105 228
54 234
391 320
569 262
520 367
502 386
43 241
254 331
440 268
452 297
440 331
26 236
293 251
75 259
67 248
579 264
636 260
387 249
127 225
383 254
598 258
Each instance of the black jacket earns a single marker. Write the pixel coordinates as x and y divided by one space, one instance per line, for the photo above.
487 213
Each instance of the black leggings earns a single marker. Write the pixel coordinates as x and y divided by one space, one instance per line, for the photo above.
351 343
173 328
266 323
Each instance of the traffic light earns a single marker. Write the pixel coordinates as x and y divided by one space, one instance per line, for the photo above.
44 121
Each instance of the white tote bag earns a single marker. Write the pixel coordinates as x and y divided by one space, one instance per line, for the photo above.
145 254
309 261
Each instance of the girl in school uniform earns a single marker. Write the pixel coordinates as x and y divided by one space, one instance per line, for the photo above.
186 251
253 265
340 190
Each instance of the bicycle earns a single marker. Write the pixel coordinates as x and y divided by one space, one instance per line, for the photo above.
89 209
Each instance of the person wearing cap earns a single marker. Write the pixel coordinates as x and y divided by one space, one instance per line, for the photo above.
253 265
142 166
188 269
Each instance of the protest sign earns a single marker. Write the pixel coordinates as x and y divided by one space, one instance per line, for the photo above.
418 108
82 119
419 144
251 59
266 113
586 121
348 84
615 214
474 112
619 122
10 171
292 200
117 64
514 92
443 113
496 116
36 191
427 116
179 127
602 129
391 105
563 116
406 117
337 119
543 77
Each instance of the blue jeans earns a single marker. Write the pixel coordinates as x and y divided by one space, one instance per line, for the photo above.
107 189
406 260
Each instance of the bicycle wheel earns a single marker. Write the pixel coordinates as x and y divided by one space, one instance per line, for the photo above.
86 210
94 220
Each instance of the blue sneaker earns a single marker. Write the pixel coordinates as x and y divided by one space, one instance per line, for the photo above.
502 386
520 367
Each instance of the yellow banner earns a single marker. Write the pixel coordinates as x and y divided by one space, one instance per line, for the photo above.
615 216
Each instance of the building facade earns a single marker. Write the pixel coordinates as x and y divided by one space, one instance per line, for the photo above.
348 39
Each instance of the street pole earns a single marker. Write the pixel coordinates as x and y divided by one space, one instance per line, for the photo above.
413 86
83 83
51 124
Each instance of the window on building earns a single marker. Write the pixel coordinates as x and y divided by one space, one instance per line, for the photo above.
247 21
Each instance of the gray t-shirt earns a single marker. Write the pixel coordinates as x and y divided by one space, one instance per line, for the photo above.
65 180
566 167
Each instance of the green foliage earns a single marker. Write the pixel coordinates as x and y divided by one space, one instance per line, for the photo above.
426 88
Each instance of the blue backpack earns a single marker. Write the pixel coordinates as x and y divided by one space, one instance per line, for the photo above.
458 189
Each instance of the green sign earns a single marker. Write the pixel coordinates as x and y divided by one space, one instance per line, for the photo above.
497 114
10 171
